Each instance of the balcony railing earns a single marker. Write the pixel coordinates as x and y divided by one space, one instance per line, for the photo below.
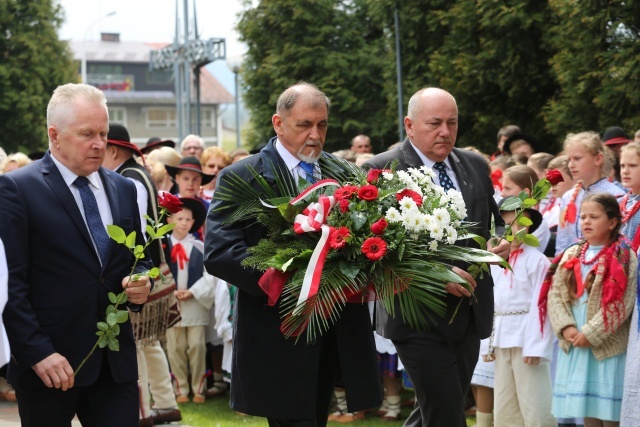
116 82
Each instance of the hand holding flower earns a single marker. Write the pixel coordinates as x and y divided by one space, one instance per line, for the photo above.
136 288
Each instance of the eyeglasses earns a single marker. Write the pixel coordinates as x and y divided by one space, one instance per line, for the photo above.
193 148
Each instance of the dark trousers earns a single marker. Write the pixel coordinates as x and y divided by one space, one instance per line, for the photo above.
102 404
441 375
326 382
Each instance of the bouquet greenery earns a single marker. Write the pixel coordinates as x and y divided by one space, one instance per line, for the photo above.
353 237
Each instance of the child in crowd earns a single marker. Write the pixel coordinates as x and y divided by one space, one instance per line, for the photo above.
186 341
522 178
589 164
521 349
551 212
589 304
539 162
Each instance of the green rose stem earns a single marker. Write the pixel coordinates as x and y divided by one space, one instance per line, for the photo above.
109 330
518 204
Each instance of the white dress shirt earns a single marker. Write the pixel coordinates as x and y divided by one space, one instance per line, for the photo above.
429 163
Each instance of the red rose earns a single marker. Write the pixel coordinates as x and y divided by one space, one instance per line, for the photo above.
338 237
345 192
409 193
374 248
170 202
344 205
368 192
379 226
373 175
554 176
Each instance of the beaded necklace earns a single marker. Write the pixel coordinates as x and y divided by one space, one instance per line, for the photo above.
583 253
628 214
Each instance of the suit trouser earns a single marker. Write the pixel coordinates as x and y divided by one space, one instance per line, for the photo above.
522 393
104 403
187 351
441 375
154 378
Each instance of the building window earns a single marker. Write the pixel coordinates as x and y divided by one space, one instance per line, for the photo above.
161 77
161 117
207 118
118 115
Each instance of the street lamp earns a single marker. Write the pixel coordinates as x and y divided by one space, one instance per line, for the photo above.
83 63
235 64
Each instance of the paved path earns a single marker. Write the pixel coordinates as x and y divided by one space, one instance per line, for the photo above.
9 416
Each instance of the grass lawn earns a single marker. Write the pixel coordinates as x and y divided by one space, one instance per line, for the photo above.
216 413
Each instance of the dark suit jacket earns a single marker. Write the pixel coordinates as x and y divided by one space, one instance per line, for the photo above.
273 376
57 287
475 184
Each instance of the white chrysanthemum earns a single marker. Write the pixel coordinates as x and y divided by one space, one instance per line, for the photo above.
411 220
451 234
393 215
433 246
437 232
456 223
427 171
387 175
438 191
416 174
441 215
408 204
405 178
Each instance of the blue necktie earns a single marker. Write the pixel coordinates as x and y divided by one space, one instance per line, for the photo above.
92 215
308 170
445 181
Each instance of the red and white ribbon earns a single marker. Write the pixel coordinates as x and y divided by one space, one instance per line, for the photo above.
313 219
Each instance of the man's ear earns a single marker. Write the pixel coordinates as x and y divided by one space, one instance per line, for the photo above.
53 136
408 127
278 122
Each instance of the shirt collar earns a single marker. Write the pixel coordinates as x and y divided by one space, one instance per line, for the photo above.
70 177
427 161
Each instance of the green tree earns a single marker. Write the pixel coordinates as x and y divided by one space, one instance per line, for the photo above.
330 43
597 63
34 62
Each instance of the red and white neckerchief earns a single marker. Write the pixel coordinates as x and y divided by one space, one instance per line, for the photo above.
513 257
179 255
549 205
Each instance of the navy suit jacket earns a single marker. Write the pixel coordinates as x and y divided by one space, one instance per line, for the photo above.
57 286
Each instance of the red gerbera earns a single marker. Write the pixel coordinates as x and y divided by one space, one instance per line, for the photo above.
409 193
374 248
339 237
345 192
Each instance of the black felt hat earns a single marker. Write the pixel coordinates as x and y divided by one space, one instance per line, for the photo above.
189 164
119 135
155 142
199 210
521 136
615 135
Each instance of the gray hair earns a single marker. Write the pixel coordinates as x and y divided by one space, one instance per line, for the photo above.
60 109
192 137
309 92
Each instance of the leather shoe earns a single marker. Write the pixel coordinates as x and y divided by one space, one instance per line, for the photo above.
145 422
163 416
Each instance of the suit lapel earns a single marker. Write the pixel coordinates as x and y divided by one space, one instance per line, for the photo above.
466 185
53 178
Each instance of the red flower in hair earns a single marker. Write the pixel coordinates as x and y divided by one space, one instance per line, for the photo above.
379 226
345 192
554 176
339 237
410 193
374 248
368 192
170 202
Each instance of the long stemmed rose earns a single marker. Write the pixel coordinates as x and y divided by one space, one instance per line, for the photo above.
109 329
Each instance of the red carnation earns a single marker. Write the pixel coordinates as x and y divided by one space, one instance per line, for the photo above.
345 192
409 193
374 248
379 226
338 237
554 176
344 205
170 202
368 192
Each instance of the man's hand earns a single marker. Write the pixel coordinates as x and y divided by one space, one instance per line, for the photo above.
138 290
531 360
183 295
499 247
456 288
55 371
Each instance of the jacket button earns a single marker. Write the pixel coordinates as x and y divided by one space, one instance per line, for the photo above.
102 280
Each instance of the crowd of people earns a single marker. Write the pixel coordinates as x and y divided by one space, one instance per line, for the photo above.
553 341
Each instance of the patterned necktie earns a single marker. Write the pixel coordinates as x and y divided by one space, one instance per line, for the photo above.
92 215
445 181
308 170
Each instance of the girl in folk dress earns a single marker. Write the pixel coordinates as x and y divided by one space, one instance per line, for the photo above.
589 164
520 347
551 212
629 206
590 304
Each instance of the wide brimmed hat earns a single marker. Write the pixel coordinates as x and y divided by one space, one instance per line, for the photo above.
118 135
189 164
199 210
615 135
155 142
527 138
534 215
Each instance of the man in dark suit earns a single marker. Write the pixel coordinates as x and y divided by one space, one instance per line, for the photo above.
62 265
272 376
440 361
